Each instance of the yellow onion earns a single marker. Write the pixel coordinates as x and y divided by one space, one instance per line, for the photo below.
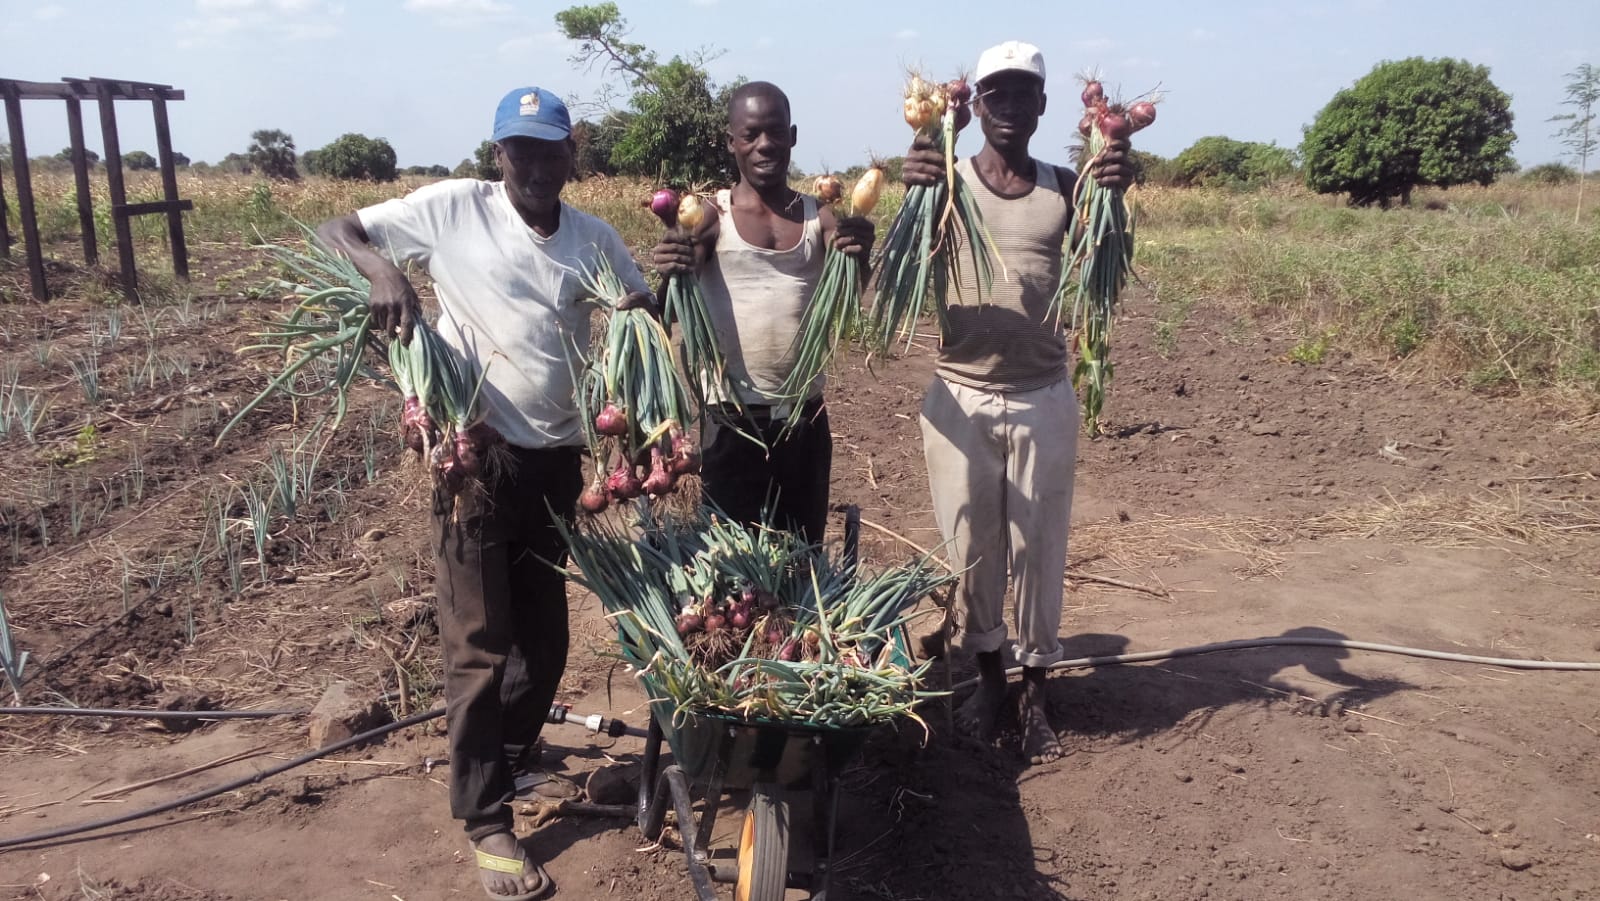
691 211
828 189
864 196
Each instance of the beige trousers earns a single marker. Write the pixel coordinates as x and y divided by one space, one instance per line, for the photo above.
1000 467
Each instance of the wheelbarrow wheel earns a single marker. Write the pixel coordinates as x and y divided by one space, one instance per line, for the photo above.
764 846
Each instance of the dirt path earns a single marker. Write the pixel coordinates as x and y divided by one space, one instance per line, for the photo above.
1253 496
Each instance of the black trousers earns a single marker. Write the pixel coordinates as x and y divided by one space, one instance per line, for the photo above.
502 623
787 479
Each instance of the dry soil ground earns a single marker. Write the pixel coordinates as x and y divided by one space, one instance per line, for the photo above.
1246 494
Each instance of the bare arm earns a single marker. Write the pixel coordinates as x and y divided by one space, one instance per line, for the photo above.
395 307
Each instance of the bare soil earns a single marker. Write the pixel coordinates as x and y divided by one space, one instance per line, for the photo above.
1238 495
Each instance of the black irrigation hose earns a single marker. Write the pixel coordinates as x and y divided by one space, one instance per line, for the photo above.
150 714
241 782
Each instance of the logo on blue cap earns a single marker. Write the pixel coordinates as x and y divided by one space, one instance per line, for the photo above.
532 113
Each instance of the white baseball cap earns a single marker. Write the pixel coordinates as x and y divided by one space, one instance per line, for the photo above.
1012 56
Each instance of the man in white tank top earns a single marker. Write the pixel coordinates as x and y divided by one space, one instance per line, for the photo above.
759 257
1000 421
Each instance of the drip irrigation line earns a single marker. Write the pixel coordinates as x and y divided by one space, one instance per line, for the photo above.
1288 641
134 713
1075 663
65 831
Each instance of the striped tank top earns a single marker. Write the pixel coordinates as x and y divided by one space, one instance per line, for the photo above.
1009 342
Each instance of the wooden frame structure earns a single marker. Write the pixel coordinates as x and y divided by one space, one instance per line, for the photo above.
104 92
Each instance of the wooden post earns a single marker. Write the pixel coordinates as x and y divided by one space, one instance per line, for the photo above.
119 192
169 190
24 183
5 227
80 173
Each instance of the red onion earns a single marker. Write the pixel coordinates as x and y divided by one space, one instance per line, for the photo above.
468 454
790 651
690 623
664 203
1094 94
594 499
416 426
485 434
660 480
611 421
1142 114
1086 123
775 635
622 483
716 622
739 616
1115 126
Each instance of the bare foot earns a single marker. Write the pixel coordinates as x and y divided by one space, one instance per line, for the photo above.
1039 741
977 714
511 885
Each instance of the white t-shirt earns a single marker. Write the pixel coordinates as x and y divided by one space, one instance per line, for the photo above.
509 300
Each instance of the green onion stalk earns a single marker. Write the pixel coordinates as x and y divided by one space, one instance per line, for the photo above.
636 399
684 306
1099 253
935 226
833 314
752 623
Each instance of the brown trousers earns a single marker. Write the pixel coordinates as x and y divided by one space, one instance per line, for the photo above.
502 623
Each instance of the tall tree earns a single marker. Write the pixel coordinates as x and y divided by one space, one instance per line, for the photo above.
1409 123
1579 135
676 130
271 152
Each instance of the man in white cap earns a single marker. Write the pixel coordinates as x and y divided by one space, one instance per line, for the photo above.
1000 421
505 259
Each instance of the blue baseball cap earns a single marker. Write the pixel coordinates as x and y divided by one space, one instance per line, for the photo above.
532 113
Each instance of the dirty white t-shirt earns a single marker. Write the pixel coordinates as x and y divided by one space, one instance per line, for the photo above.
509 300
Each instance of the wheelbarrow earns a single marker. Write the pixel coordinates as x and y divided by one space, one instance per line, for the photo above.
791 772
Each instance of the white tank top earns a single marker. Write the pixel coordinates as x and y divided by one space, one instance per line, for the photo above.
755 298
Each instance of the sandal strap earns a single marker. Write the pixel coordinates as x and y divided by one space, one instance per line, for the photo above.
511 865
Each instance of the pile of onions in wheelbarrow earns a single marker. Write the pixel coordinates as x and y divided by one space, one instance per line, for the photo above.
752 622
329 330
633 403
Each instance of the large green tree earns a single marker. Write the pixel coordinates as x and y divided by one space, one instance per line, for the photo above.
676 130
1410 123
356 157
271 153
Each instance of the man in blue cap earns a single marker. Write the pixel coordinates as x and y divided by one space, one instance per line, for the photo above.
504 258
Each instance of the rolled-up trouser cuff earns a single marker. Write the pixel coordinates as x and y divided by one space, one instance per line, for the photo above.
478 830
1038 658
982 642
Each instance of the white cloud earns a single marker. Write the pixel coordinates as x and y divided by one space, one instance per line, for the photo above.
459 7
528 43
1094 44
764 41
906 34
1202 35
48 12
287 20
1139 62
704 2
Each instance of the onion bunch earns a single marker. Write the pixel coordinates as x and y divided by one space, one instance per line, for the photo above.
751 622
834 313
1099 252
935 227
440 417
634 400
685 306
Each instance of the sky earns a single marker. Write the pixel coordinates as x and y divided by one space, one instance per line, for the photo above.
426 74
